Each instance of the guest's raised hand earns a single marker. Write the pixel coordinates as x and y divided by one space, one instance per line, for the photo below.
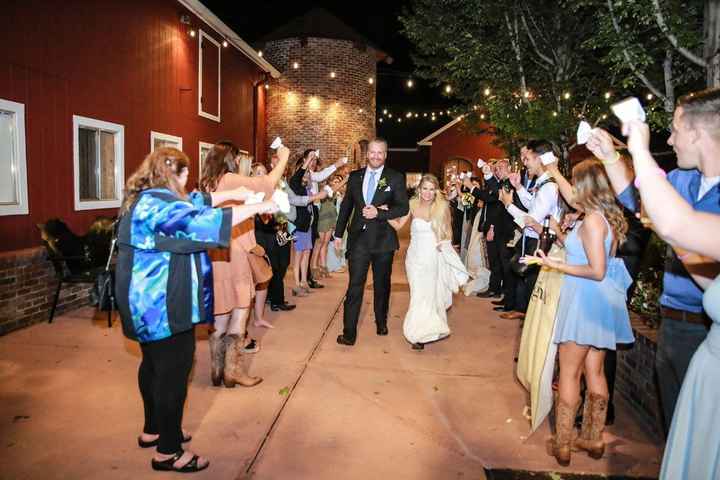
515 180
283 153
638 137
601 145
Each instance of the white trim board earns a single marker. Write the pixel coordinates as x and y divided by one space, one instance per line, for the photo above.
22 206
426 142
201 112
119 173
164 136
202 145
211 20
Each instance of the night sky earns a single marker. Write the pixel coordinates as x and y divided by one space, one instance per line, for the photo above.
377 21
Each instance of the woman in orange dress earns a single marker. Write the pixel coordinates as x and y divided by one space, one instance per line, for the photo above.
236 271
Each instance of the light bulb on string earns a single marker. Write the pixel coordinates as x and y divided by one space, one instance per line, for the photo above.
371 80
225 44
448 89
332 75
607 95
566 95
649 96
410 83
384 111
296 65
487 92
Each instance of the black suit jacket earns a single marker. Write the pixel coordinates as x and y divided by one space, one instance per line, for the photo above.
376 235
494 211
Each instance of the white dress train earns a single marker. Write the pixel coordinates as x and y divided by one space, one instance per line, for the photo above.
434 275
476 261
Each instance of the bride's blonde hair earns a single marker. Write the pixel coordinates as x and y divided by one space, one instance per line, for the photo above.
439 209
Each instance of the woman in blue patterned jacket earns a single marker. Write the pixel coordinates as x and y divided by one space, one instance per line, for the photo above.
164 288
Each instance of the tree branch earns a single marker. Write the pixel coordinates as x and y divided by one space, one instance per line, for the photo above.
629 61
534 44
660 20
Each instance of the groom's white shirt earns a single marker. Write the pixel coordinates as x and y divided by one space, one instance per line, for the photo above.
366 178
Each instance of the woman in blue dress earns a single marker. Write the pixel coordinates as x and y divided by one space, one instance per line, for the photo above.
693 445
592 312
164 288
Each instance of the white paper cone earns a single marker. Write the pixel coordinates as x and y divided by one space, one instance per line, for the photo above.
583 133
277 143
282 200
628 110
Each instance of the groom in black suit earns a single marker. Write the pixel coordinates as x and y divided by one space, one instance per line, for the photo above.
371 239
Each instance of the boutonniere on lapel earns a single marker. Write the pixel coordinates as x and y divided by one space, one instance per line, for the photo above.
382 184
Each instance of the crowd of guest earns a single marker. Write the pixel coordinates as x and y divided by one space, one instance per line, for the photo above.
208 256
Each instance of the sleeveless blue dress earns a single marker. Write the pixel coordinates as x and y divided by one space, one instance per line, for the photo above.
693 446
591 312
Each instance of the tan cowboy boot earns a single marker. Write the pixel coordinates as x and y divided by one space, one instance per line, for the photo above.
235 373
560 445
217 358
594 413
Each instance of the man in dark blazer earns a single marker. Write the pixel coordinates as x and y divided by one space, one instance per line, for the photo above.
496 224
371 239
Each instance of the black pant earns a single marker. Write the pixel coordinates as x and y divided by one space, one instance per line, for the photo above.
359 261
526 283
163 377
279 261
509 278
496 265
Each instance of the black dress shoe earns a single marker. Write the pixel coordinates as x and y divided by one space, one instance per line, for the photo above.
498 302
344 341
283 306
503 309
314 284
382 330
487 294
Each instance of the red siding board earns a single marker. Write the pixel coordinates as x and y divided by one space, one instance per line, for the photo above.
455 142
124 61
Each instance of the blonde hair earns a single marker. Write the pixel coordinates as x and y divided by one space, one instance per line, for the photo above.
439 209
160 169
593 192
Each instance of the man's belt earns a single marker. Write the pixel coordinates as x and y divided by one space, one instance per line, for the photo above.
684 316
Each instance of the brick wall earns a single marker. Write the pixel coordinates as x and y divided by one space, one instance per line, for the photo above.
27 289
309 109
636 379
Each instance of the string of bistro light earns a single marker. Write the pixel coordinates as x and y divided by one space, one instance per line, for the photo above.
398 116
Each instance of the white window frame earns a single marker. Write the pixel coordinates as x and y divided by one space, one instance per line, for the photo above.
22 207
166 137
200 77
119 131
202 145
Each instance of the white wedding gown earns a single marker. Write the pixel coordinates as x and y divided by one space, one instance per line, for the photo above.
433 277
476 261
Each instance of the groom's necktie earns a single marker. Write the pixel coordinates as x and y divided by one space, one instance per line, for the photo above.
370 191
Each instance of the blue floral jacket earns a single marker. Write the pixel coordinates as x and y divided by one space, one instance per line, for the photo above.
163 277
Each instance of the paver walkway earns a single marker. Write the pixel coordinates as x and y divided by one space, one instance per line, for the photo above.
69 406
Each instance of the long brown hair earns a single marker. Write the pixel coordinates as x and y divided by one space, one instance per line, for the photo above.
594 192
160 169
219 161
439 210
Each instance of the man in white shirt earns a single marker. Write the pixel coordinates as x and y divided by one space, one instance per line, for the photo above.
541 201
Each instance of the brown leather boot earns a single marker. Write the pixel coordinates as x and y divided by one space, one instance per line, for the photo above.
235 373
560 445
594 413
217 358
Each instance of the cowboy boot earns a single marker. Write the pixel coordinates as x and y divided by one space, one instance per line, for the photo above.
594 414
235 370
560 444
217 358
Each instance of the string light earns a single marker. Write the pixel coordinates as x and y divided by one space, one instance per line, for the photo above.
225 44
360 110
410 83
554 114
607 95
448 89
482 116
260 54
332 74
371 80
487 92
408 115
566 95
385 111
649 96
267 86
296 65
526 94
380 120
192 33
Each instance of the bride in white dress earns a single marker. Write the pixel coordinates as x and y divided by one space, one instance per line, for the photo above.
434 269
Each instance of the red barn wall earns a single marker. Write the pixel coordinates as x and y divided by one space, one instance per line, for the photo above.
129 62
455 142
